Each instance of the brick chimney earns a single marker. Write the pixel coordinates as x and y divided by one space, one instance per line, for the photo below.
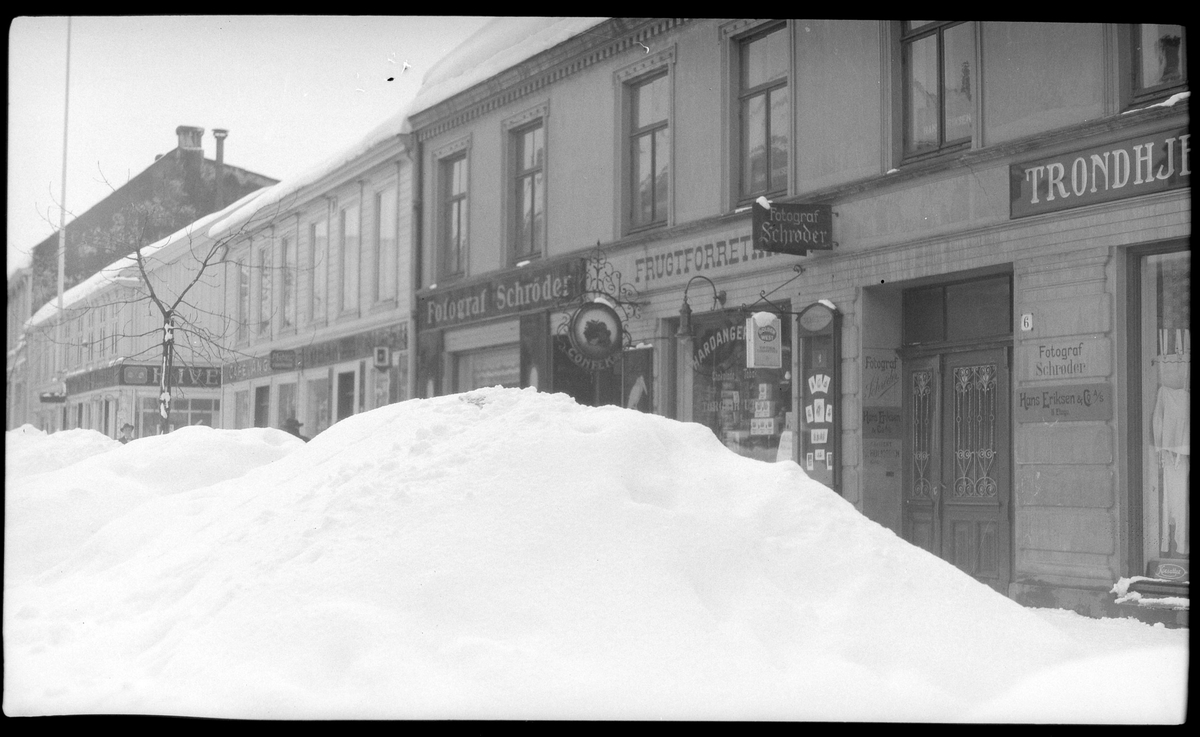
189 137
220 134
190 152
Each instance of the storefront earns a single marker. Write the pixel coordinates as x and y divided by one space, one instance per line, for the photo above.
104 399
319 383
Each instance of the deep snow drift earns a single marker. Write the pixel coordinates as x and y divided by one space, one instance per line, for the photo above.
510 554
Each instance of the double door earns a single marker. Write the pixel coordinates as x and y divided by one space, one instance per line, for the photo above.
958 460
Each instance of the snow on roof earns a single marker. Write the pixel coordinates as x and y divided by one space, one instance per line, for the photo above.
106 276
502 43
276 193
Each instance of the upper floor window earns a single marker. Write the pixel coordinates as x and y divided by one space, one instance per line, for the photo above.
764 112
318 269
385 244
287 283
649 151
453 238
529 193
937 59
242 277
1159 60
348 243
264 289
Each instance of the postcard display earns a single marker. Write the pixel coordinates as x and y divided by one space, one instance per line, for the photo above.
820 416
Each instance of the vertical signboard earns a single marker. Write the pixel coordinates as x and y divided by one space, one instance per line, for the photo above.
820 393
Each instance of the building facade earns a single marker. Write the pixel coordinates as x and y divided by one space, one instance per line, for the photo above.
958 254
318 283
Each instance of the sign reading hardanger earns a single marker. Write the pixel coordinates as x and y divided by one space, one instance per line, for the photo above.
1128 168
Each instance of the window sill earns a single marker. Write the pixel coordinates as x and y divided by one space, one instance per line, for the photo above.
515 261
945 151
639 229
347 315
385 305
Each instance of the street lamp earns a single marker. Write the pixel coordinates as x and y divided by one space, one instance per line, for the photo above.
685 310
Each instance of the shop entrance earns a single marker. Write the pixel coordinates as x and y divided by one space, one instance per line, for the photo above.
957 416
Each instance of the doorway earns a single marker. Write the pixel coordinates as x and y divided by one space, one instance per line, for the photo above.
957 414
345 395
262 406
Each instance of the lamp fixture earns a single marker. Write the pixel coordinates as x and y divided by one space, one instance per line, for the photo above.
685 310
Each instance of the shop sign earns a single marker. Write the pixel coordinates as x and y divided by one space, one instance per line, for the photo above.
714 346
679 262
881 422
880 377
283 360
52 397
196 376
521 291
792 228
1066 359
596 336
1064 403
1128 168
764 341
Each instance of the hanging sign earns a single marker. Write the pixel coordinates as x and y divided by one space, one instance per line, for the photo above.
792 228
764 341
596 337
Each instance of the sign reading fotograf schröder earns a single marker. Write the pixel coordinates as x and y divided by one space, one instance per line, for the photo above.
520 291
1064 403
792 228
1128 168
1066 359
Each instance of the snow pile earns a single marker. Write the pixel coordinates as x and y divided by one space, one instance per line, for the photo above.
28 450
510 554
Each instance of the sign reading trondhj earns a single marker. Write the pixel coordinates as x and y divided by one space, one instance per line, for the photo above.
792 228
520 291
1064 403
1128 168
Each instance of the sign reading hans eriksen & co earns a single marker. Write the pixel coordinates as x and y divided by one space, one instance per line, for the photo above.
1128 168
520 291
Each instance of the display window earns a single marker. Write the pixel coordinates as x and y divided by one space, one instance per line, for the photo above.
1165 356
747 408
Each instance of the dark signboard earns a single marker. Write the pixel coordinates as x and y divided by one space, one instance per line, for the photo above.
52 397
792 228
1064 403
283 360
523 290
197 376
1128 168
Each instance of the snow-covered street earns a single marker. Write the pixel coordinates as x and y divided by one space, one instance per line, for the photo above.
510 554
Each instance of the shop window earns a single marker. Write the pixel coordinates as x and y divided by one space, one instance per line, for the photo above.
318 269
529 191
1161 313
1159 60
287 282
241 409
385 244
764 112
262 406
938 82
348 247
649 150
264 289
184 412
453 236
489 367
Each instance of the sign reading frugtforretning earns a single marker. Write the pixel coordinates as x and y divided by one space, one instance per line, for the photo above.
1128 168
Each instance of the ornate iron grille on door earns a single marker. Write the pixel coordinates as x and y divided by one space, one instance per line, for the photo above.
974 431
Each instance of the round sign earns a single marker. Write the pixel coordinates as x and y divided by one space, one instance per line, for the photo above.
816 318
596 330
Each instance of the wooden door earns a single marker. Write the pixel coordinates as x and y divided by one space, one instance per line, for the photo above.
958 460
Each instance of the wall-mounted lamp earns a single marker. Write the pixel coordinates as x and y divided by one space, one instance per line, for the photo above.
685 310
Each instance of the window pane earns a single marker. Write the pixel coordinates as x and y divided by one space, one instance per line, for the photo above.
923 316
662 147
538 210
289 282
264 289
386 243
318 265
921 95
1166 403
1160 54
643 198
524 213
764 59
650 102
350 254
780 135
960 58
979 309
754 153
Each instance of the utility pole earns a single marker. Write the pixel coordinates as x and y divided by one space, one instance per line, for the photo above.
62 237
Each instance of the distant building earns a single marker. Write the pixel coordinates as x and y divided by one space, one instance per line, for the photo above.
179 187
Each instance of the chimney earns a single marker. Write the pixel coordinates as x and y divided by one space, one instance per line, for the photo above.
189 136
220 134
190 152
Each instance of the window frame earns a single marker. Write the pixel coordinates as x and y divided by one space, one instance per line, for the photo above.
350 276
633 135
518 251
446 201
904 41
318 269
386 192
287 281
739 96
1137 95
263 256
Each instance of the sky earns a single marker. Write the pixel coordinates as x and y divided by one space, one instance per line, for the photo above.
291 90
510 554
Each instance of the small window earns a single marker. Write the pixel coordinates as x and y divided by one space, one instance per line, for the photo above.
764 112
649 151
937 63
453 238
318 269
529 194
385 244
287 285
1159 54
348 242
